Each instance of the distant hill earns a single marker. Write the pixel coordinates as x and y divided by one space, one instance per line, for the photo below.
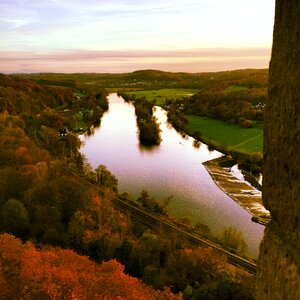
149 75
155 79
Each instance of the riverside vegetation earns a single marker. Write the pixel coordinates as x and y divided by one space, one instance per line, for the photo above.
149 132
225 109
57 201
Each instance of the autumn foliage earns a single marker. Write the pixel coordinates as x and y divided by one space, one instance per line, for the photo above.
48 195
53 273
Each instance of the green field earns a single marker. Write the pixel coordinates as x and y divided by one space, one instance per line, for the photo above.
161 95
229 137
234 88
121 89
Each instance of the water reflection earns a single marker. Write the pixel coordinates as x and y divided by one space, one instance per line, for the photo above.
173 168
148 148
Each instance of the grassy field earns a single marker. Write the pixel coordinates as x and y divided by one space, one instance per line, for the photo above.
234 88
161 95
230 137
121 89
80 123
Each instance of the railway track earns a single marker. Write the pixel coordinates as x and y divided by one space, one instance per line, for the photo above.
157 224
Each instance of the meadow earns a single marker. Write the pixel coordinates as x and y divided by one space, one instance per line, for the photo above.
160 96
220 134
234 88
226 136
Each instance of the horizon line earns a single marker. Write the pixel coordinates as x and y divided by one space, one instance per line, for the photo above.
138 70
123 61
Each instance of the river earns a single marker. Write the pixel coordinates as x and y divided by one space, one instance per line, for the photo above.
172 168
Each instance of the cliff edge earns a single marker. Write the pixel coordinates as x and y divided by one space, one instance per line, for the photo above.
279 261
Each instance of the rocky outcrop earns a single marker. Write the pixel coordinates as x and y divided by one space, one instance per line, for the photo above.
279 261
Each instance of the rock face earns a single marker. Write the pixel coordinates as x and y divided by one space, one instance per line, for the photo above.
279 261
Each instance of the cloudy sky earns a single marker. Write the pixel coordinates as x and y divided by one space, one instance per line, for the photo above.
127 35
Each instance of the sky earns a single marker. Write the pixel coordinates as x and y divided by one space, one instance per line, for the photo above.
115 36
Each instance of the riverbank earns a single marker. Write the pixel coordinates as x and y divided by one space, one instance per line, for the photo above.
245 195
228 137
242 144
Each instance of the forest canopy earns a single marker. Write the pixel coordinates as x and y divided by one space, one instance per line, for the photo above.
58 201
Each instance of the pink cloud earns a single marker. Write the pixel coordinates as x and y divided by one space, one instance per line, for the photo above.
192 60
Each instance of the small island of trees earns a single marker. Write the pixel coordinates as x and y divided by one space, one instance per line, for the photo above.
149 131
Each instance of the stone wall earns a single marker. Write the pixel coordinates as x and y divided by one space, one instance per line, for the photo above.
279 261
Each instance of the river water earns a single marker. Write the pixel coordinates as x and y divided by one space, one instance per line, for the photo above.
172 168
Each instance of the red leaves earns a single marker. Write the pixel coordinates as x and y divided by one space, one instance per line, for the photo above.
54 273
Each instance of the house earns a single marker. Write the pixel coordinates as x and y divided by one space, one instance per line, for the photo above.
63 131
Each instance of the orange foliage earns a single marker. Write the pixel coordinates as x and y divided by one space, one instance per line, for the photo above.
53 273
17 149
23 156
97 219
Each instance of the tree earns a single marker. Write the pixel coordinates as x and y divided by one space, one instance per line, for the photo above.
53 273
246 123
70 197
151 204
14 217
144 199
13 184
233 239
149 131
106 179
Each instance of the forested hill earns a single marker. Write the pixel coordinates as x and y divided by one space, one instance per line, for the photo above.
159 79
26 96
